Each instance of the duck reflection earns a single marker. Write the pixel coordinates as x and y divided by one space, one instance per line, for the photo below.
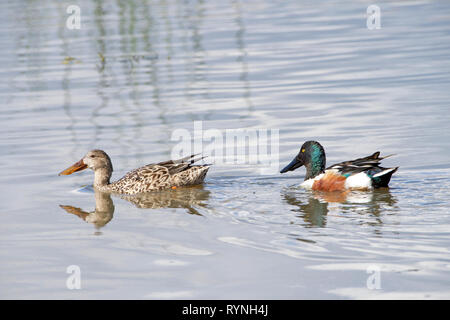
185 197
314 207
103 213
313 211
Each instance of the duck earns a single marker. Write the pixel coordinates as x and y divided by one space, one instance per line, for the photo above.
359 174
152 177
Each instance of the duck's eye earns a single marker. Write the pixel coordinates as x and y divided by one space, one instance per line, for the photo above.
92 156
303 150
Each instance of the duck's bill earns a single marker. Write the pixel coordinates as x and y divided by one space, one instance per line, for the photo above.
294 164
74 168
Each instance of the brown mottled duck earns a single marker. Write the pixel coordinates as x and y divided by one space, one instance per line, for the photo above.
152 177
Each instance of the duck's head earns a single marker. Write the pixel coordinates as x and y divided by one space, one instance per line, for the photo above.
312 156
94 159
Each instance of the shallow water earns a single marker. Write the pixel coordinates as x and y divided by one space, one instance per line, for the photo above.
137 71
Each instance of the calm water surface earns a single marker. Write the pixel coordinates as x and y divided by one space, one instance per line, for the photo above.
137 71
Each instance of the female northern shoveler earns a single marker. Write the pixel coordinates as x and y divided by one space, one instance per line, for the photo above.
363 173
152 177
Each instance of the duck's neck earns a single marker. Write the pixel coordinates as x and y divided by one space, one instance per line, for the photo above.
101 177
313 170
317 163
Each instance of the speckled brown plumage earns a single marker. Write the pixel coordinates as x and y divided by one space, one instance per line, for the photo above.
152 177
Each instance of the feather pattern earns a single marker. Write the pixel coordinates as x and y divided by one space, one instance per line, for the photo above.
360 164
364 173
159 176
361 173
151 177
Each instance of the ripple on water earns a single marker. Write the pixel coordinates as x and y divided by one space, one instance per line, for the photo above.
136 72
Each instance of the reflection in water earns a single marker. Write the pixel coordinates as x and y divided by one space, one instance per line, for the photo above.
370 203
103 213
313 211
183 197
314 207
66 85
102 82
139 61
243 56
148 68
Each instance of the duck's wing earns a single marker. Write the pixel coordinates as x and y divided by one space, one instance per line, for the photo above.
370 164
160 176
176 166
165 168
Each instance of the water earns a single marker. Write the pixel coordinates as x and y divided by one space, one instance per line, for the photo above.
137 71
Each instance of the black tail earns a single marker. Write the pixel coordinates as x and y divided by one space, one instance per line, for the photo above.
382 178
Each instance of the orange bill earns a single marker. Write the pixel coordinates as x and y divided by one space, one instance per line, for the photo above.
74 168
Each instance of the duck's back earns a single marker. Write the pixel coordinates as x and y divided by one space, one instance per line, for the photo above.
159 176
364 172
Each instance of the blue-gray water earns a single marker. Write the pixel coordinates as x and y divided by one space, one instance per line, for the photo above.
137 71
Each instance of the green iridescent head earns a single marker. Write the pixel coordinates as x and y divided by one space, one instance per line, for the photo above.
312 156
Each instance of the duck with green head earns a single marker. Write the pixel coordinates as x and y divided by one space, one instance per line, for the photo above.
361 174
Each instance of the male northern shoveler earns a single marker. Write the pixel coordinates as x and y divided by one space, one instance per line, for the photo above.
363 173
152 177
